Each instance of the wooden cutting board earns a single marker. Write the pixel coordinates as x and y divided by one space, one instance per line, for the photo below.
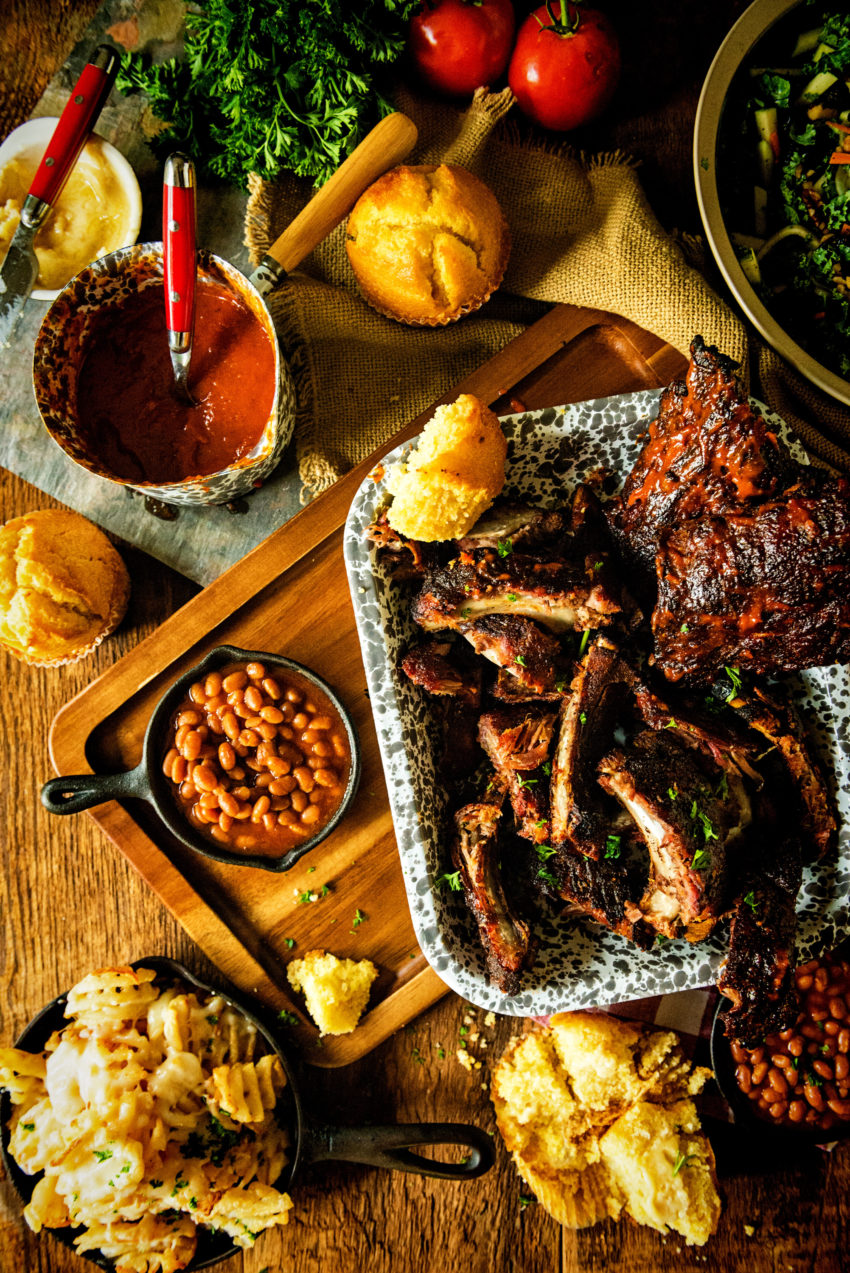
290 596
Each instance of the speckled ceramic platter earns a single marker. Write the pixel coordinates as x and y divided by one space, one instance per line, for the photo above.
579 964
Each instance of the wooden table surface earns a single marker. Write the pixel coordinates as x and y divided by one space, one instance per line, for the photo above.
69 902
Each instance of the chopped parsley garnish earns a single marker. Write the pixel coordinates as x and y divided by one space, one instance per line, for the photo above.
547 877
307 896
27 1127
505 547
723 788
512 596
684 629
525 1201
520 659
707 828
359 917
466 612
661 940
540 823
672 793
560 686
417 1056
683 1160
583 717
287 1018
290 942
613 846
310 870
735 677
597 565
546 767
585 637
452 879
441 1052
701 860
671 723
212 1018
544 851
324 890
750 900
527 782
102 1154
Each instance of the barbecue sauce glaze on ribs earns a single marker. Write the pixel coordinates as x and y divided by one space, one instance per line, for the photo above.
640 801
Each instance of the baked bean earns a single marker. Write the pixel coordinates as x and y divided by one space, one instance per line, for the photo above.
811 1031
813 1096
323 749
219 833
837 1008
256 671
287 818
299 801
779 1109
282 786
196 692
278 766
304 777
326 777
339 749
311 814
310 707
204 815
821 979
208 800
269 821
314 762
235 681
804 982
212 685
180 736
317 795
840 1108
271 714
241 710
261 806
308 738
249 738
251 722
189 718
831 1027
842 1067
230 725
170 757
225 821
266 731
226 756
215 724
271 687
797 1111
759 1071
294 696
300 720
796 1046
205 778
744 1077
843 1040
286 732
229 803
244 813
821 1068
235 697
188 793
288 710
776 1080
254 698
192 744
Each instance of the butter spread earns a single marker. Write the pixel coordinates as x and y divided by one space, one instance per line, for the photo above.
91 217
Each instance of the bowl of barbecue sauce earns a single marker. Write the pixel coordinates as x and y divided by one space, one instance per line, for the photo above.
105 388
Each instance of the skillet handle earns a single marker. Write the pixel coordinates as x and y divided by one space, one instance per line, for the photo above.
76 792
389 1147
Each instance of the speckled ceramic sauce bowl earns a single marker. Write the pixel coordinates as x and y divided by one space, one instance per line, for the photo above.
61 345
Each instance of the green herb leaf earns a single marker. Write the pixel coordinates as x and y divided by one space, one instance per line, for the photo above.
735 677
750 900
505 547
359 918
585 637
544 851
512 596
286 1018
613 846
701 860
452 879
547 877
520 659
583 717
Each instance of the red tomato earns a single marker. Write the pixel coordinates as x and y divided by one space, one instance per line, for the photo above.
565 65
459 45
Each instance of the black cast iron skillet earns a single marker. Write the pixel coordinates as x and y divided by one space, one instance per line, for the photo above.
147 782
387 1146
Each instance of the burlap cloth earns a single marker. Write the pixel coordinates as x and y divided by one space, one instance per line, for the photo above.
583 233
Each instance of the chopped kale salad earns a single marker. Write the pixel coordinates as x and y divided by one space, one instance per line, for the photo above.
785 178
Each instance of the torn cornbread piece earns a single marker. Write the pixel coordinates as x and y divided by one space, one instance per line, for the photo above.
597 1116
453 475
336 991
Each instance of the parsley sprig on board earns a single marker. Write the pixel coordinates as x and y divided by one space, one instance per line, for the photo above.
268 85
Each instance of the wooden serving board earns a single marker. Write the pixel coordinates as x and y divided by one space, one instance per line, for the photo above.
290 596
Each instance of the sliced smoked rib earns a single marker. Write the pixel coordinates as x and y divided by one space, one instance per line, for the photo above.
517 741
517 527
777 721
758 974
557 594
708 452
404 559
764 591
435 667
527 652
598 692
731 747
602 890
505 937
687 814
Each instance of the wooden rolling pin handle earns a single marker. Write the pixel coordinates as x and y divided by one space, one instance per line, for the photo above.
386 145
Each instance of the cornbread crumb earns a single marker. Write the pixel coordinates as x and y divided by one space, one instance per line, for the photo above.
335 990
490 1020
597 1116
455 473
63 587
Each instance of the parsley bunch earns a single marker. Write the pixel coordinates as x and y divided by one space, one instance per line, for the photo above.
268 85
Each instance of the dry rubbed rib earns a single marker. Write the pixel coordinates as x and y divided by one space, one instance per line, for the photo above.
557 594
603 891
513 738
526 651
588 716
688 814
404 559
708 452
475 852
730 748
766 591
758 975
779 723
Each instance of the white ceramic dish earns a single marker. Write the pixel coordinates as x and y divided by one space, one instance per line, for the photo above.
579 964
31 138
750 28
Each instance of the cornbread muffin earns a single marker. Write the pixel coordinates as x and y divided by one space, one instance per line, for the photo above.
597 1115
335 990
455 473
427 244
63 587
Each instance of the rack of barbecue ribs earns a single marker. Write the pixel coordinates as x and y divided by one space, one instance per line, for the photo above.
636 771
